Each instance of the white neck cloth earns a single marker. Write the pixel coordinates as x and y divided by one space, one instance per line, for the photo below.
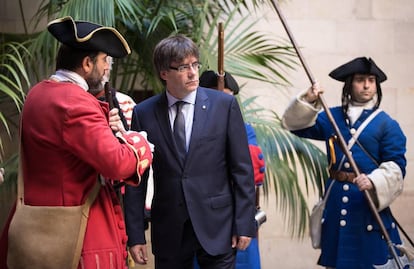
70 76
355 109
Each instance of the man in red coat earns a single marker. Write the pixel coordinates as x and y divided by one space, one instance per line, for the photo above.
67 141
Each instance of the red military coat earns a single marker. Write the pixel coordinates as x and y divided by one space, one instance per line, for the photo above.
67 142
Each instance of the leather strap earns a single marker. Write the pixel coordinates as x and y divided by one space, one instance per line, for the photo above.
355 136
342 175
20 185
85 207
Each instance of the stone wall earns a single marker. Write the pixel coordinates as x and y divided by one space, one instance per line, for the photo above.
332 32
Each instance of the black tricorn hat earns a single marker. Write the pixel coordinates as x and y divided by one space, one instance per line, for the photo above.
89 36
208 79
361 65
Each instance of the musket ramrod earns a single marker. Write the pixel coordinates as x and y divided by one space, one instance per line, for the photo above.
220 60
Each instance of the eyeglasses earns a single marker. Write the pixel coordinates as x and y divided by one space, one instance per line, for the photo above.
186 67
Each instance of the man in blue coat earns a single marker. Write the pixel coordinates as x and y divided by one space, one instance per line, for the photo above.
204 195
351 237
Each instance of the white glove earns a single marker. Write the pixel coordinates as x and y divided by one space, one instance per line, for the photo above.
152 146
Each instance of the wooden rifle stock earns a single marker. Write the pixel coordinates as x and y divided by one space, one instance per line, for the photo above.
220 62
116 184
108 95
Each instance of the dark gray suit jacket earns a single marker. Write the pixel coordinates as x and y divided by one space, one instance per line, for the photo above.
214 187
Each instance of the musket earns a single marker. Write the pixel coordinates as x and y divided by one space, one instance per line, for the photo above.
110 99
340 138
108 95
260 214
220 60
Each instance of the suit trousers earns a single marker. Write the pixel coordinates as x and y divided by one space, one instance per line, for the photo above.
190 248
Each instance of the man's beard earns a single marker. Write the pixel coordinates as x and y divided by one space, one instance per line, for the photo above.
94 83
95 86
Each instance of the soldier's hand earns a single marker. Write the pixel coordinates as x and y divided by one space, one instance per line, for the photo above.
313 93
115 121
363 182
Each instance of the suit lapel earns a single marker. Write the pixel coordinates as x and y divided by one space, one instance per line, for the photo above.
200 116
161 114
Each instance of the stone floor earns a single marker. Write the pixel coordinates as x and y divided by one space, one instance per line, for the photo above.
279 250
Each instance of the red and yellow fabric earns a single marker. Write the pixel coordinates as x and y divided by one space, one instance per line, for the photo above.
67 143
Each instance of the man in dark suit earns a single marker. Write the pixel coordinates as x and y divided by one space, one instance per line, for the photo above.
204 195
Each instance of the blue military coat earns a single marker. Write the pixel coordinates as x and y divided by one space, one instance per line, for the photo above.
351 237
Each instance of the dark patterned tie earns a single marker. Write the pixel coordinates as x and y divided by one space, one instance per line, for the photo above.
179 130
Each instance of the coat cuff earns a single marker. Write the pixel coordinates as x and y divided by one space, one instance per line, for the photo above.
300 114
388 182
138 143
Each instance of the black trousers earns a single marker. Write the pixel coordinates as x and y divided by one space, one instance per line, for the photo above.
191 249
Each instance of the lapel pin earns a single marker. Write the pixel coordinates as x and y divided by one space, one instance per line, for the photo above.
203 107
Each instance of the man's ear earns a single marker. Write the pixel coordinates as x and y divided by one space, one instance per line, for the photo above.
87 64
163 74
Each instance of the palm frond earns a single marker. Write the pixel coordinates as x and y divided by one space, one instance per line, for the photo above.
128 12
44 47
14 80
290 160
248 53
